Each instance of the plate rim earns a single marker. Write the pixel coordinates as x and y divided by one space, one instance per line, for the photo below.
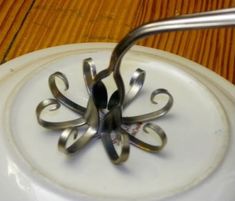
225 83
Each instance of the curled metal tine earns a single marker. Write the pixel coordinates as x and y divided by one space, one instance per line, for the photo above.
112 123
210 19
55 125
152 115
78 143
60 97
146 146
136 84
89 73
92 121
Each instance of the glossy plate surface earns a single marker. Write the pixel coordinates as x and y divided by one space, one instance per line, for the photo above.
198 160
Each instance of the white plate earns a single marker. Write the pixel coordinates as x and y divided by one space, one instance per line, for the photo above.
197 163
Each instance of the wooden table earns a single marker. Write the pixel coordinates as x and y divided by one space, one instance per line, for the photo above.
28 25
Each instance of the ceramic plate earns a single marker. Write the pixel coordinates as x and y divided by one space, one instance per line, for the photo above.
197 163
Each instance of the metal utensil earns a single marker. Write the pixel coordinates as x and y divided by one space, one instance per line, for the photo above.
103 117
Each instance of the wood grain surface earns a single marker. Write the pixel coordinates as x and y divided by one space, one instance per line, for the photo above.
28 25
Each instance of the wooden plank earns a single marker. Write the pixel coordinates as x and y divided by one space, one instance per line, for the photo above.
12 14
57 22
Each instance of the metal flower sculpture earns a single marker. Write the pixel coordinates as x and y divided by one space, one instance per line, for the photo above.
97 107
102 118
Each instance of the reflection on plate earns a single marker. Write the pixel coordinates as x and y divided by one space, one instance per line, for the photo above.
197 161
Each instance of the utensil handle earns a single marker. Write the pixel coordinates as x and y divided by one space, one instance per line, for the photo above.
211 19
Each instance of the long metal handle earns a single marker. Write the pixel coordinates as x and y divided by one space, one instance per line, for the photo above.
211 19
